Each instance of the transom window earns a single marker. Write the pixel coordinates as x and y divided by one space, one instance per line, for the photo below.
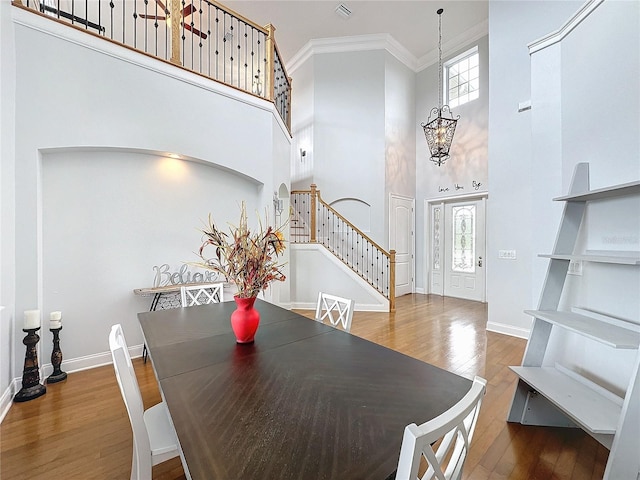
462 78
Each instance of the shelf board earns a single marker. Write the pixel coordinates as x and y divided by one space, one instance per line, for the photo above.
630 188
585 406
603 332
623 258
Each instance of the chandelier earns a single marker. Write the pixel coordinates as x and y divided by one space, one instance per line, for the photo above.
439 131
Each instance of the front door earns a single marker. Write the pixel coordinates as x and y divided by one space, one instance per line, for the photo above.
464 250
401 240
458 249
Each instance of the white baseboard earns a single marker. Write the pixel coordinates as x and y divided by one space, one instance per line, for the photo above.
420 290
6 400
69 366
360 307
508 330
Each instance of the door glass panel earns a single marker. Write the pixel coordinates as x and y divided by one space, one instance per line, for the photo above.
464 245
436 238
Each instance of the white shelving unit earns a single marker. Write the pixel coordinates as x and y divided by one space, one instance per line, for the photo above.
558 396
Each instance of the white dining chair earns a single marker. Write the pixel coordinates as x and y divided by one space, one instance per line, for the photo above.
454 428
338 310
154 439
201 294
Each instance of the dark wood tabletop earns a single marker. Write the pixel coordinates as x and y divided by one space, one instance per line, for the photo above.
305 401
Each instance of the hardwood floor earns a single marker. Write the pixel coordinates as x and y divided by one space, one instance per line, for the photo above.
80 430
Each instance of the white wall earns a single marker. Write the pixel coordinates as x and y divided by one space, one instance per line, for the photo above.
7 203
101 238
76 91
469 152
513 175
349 132
302 98
613 152
573 86
400 151
330 275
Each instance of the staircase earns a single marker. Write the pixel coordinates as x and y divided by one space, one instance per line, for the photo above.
315 221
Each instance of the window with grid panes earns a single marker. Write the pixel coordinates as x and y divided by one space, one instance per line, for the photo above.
462 78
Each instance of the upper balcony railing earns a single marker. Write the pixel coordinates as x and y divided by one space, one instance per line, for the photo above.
207 38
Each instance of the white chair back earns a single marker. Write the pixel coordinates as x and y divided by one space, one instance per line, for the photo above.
338 310
154 439
202 294
454 428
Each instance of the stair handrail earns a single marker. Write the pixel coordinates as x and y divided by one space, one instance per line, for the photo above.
315 199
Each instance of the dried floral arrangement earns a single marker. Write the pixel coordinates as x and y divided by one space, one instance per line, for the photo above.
249 259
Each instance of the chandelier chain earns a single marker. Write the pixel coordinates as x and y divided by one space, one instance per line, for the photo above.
440 96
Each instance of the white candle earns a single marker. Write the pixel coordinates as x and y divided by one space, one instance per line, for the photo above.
31 319
55 320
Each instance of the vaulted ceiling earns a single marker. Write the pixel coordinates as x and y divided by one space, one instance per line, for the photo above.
412 23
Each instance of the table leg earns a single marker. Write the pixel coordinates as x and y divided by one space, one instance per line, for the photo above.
154 305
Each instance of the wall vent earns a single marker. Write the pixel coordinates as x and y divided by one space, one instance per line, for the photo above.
343 10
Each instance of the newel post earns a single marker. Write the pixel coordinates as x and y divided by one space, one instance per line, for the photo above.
392 281
271 53
312 213
175 16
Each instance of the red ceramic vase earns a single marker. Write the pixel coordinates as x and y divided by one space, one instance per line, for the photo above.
245 320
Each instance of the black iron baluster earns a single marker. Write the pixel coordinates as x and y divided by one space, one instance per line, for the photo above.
201 30
124 16
231 49
246 49
111 5
100 16
217 42
73 11
86 14
224 46
209 38
146 27
135 24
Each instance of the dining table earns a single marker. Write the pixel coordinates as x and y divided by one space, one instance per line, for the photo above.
304 401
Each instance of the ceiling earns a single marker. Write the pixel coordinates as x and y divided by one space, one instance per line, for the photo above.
412 23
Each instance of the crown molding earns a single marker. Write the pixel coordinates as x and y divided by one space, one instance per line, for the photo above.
356 43
453 45
564 30
384 41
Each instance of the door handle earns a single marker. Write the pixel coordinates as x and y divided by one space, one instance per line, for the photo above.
479 261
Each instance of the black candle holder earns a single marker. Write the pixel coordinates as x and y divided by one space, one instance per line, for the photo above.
56 358
31 386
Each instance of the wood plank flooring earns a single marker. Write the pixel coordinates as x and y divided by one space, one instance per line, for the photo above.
80 430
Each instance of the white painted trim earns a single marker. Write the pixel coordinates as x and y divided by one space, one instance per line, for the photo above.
70 366
140 59
384 41
461 41
356 43
360 307
456 198
6 400
421 291
428 203
147 151
510 330
557 36
88 361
